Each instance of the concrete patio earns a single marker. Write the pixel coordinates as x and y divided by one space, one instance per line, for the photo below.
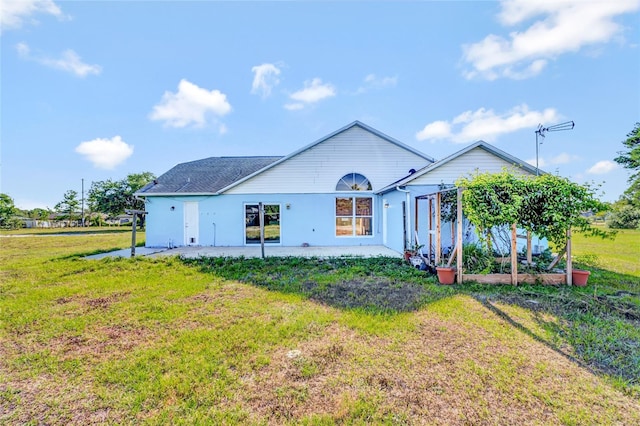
254 251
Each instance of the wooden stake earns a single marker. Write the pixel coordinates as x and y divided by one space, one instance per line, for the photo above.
459 239
430 228
569 261
529 254
438 230
514 255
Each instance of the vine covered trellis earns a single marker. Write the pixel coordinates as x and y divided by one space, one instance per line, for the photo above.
546 205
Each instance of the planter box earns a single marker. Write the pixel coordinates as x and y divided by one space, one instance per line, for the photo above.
547 279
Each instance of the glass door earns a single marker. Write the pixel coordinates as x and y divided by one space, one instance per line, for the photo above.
271 223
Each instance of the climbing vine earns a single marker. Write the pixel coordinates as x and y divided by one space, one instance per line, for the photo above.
547 205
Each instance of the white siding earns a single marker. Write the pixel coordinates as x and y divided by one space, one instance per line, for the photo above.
475 160
318 169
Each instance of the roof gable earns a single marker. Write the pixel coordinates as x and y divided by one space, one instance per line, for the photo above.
481 145
332 135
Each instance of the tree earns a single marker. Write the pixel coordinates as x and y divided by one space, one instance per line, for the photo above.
630 159
115 197
626 212
39 213
69 205
624 216
7 210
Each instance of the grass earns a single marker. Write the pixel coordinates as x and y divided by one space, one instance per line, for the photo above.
295 341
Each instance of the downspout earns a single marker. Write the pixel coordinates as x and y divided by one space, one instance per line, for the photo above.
407 241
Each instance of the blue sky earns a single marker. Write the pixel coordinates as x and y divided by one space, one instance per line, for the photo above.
98 90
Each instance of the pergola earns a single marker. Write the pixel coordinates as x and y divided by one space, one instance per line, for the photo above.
434 253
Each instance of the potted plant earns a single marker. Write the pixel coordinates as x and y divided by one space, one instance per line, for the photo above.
579 277
446 274
413 252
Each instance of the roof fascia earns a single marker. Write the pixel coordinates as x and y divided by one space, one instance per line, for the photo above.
175 194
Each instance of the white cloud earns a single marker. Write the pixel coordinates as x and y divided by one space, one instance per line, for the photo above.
435 130
486 124
563 158
313 92
265 78
294 106
190 106
105 153
558 27
14 13
69 61
372 81
602 167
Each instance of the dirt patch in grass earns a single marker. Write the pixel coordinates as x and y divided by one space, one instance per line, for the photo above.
53 400
95 302
373 293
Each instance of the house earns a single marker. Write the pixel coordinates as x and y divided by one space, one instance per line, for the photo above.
355 186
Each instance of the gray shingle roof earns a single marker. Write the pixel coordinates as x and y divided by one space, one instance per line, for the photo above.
206 176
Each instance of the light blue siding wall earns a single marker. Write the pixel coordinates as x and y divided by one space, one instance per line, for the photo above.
309 219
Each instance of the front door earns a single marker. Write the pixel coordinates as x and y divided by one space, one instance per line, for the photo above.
191 225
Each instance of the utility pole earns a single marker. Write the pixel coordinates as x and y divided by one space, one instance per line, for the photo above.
568 125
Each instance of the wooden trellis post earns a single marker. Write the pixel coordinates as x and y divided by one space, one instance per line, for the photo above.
438 229
135 214
514 255
459 236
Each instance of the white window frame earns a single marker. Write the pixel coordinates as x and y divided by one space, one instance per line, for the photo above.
354 217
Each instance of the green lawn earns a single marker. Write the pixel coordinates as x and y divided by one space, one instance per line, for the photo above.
296 341
620 254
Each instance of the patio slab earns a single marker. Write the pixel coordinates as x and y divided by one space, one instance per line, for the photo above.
254 251
279 251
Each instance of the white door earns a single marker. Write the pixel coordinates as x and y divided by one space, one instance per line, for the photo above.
191 224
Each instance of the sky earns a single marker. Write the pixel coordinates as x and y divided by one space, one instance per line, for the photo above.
97 90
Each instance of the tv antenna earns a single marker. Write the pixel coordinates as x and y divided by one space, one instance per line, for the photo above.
567 125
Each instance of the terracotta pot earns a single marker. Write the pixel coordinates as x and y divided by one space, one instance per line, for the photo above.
446 274
579 277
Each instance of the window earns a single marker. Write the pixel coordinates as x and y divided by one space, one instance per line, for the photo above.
354 215
353 182
252 223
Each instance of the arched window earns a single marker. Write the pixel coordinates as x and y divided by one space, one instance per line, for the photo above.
354 215
353 182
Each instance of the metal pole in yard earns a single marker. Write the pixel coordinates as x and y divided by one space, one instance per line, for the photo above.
261 216
133 234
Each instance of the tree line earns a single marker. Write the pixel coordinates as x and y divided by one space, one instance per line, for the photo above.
108 198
